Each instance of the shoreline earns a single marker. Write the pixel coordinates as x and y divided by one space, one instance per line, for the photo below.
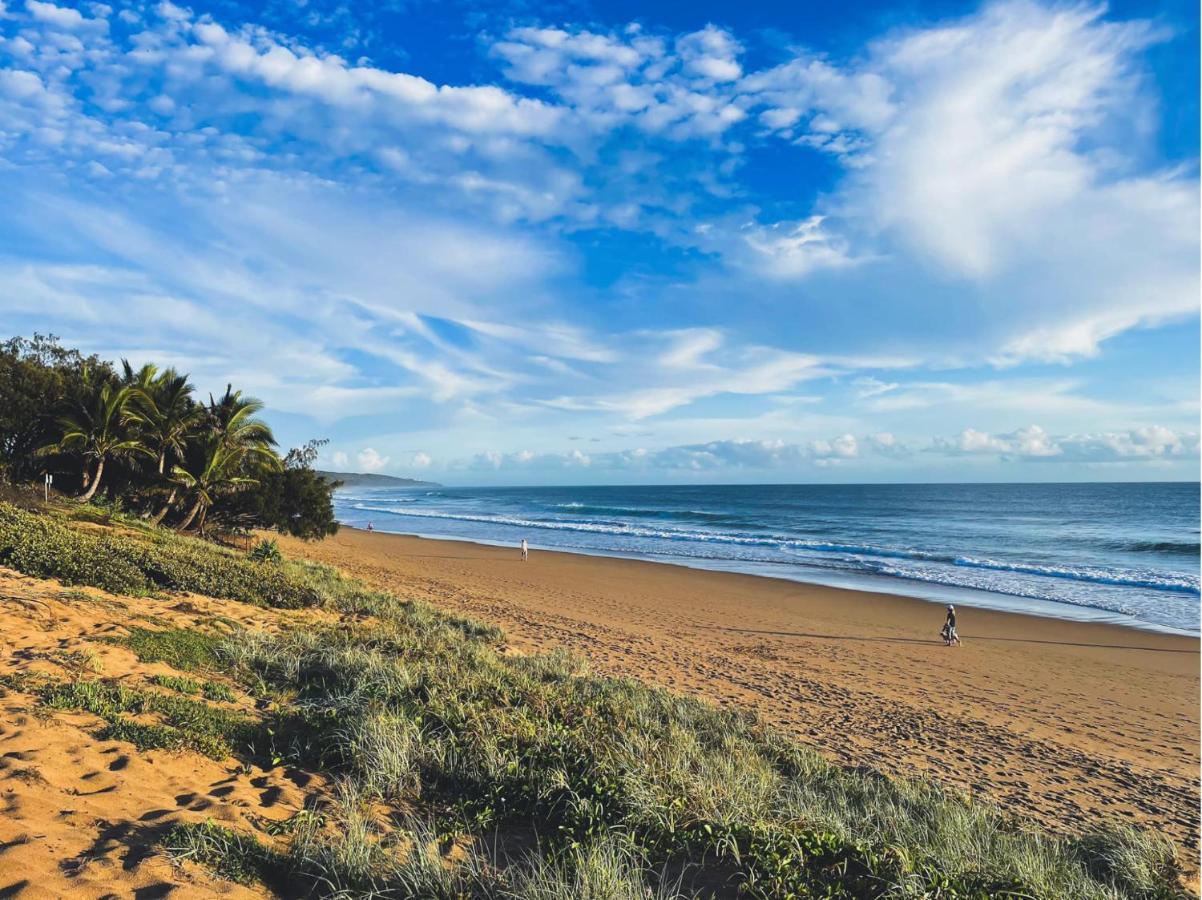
1067 723
888 586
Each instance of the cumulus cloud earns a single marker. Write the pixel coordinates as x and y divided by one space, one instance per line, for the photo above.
708 456
1033 443
370 460
632 78
711 54
61 16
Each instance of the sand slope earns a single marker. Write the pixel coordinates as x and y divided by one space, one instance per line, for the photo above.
1062 722
80 817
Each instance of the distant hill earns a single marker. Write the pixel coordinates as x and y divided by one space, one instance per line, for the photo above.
370 479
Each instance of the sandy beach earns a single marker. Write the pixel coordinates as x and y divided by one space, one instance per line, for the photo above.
1063 722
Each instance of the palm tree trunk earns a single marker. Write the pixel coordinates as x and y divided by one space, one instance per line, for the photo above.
204 514
191 515
95 481
166 508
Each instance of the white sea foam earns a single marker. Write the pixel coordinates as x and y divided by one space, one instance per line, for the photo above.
1140 578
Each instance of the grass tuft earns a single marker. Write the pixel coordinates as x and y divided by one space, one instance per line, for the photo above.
228 853
180 648
187 724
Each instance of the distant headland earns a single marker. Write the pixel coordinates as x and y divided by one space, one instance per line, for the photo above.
372 479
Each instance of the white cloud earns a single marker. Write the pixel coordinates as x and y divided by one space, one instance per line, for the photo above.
885 443
60 16
683 377
1033 443
984 161
421 460
1147 443
709 456
370 460
711 54
795 249
873 387
613 80
472 109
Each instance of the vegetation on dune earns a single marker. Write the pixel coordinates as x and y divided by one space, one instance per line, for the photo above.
185 724
418 716
141 439
462 771
138 563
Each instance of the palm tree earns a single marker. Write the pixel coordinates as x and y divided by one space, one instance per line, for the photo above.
142 378
217 469
233 419
98 430
167 416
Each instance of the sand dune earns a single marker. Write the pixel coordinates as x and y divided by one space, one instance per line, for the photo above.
80 817
1063 722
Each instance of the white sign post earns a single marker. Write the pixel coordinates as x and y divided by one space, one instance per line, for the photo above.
49 481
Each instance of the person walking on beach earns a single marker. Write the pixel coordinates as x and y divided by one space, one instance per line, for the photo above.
369 528
949 627
525 550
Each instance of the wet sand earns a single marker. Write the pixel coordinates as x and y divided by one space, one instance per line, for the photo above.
1067 723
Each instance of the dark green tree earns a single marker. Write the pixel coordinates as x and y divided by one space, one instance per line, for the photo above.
38 378
294 500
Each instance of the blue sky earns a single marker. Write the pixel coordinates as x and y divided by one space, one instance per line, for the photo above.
578 242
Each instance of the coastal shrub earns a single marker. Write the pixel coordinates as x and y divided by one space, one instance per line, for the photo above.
266 551
215 690
211 690
46 547
1138 863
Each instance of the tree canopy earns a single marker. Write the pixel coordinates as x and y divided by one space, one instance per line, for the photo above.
143 439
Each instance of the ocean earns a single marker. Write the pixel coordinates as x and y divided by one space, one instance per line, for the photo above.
1126 553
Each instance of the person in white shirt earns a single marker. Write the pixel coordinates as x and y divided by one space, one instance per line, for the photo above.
525 550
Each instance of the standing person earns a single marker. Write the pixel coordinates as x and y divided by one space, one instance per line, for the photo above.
949 627
525 550
369 528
